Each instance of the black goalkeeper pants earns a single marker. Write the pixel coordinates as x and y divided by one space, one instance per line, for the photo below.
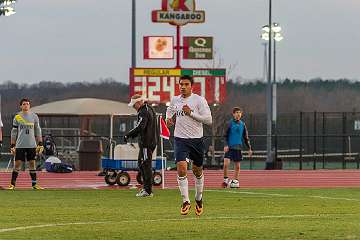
145 167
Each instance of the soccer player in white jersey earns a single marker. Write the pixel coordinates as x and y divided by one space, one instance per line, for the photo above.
190 111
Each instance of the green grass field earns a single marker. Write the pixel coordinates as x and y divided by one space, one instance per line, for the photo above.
229 214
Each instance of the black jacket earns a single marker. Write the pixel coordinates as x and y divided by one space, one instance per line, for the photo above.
146 128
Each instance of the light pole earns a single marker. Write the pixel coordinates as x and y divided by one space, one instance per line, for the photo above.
265 67
5 7
213 131
133 34
275 33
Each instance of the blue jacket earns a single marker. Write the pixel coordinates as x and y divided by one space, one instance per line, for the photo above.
236 134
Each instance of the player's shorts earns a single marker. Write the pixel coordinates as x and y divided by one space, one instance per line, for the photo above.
25 153
234 155
189 148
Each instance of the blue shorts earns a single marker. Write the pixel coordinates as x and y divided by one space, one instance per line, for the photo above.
234 155
189 148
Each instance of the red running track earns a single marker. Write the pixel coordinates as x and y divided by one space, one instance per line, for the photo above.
213 179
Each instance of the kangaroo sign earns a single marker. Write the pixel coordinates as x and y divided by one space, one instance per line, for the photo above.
178 12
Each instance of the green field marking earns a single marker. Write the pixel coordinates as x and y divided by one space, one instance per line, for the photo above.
171 220
284 195
229 214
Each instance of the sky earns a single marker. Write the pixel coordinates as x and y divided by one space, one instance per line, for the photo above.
86 40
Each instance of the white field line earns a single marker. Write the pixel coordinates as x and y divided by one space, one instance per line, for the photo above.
284 195
252 193
335 198
173 220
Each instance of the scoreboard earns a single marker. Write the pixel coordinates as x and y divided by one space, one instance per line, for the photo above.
161 84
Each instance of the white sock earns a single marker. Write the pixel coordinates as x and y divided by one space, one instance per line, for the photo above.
199 187
184 188
226 180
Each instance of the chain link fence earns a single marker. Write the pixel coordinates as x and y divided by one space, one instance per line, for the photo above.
304 140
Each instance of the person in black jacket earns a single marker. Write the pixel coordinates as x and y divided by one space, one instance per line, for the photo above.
146 130
1 135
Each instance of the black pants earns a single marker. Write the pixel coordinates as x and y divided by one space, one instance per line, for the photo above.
145 167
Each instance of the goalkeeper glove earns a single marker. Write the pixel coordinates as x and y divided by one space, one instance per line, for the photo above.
40 148
12 148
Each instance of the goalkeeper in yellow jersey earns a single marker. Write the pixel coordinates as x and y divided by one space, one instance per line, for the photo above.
26 142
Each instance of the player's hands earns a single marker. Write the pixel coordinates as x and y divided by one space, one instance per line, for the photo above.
226 148
12 149
39 148
187 110
169 122
250 153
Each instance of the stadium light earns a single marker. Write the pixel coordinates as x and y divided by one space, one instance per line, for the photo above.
276 32
7 2
276 28
5 9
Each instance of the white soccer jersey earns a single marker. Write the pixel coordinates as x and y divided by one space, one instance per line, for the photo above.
189 126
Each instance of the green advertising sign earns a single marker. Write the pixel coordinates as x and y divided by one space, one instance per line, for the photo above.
203 72
198 48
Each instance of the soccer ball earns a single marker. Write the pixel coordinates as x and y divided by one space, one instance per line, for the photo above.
234 183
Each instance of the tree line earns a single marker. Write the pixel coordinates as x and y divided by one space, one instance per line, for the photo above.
340 95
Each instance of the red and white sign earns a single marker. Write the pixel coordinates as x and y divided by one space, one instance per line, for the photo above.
178 12
160 85
158 47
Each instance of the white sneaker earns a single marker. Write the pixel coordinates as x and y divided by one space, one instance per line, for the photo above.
225 183
234 183
143 193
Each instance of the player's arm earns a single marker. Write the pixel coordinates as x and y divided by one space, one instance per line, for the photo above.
37 130
204 115
1 132
170 112
226 138
1 140
38 135
247 139
14 131
140 125
13 135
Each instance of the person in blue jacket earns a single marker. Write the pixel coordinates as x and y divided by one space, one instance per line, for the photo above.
236 136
